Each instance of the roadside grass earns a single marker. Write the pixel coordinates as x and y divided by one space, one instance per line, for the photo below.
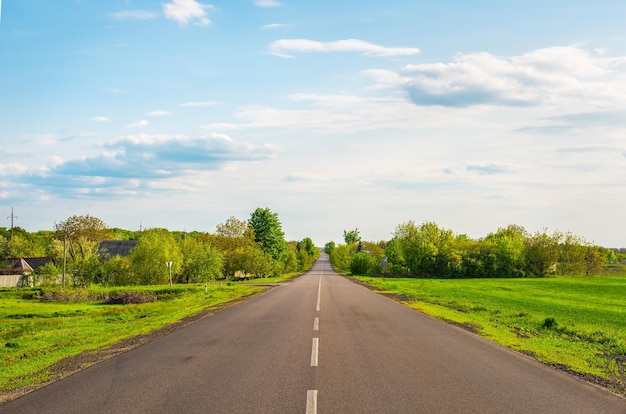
576 324
35 333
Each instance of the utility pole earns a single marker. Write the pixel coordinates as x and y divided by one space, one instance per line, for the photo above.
12 217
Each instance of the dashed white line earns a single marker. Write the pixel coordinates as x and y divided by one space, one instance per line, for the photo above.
311 402
319 295
315 352
316 324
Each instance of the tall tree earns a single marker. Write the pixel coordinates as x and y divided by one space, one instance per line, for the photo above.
351 236
268 233
89 227
155 248
202 262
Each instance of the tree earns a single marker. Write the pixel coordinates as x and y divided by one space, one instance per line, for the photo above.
254 262
89 227
424 250
233 228
351 236
542 254
155 248
342 255
509 246
230 236
572 252
361 263
593 260
24 245
329 247
202 262
268 233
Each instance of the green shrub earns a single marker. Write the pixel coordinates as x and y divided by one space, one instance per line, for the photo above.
360 264
550 323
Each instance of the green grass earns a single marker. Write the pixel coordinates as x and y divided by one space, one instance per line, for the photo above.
35 334
576 323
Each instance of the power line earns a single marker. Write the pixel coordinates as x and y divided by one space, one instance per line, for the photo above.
12 216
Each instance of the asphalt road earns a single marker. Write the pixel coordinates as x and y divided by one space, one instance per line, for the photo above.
320 344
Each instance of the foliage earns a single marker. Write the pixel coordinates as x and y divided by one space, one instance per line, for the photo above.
149 258
329 247
268 233
427 250
342 256
89 227
252 261
47 275
361 263
202 261
351 236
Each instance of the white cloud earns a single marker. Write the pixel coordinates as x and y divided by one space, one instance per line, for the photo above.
198 104
158 113
185 11
100 118
133 15
138 124
557 76
275 26
142 164
284 47
12 169
267 3
334 112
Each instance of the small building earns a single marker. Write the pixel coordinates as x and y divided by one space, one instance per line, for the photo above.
112 248
15 271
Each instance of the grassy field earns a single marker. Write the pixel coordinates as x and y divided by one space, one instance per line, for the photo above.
39 327
577 324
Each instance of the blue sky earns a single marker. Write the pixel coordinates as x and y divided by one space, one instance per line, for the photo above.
335 115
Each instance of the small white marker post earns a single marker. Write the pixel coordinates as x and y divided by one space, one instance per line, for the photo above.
169 267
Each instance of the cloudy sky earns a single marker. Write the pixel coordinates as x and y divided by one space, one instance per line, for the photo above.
334 114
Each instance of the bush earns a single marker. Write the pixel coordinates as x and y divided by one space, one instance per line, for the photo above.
126 298
360 264
550 323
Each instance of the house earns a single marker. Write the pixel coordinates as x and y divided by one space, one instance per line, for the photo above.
112 248
16 270
25 265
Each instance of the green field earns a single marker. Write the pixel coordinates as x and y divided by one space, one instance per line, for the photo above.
576 324
36 333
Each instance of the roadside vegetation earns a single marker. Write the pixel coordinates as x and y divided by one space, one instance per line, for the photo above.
238 249
554 297
428 250
86 300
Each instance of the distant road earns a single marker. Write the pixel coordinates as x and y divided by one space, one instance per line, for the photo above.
320 344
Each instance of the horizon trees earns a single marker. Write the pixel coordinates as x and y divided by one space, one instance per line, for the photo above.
427 250
247 248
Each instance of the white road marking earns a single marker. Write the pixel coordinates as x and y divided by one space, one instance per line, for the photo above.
315 352
319 295
316 324
311 402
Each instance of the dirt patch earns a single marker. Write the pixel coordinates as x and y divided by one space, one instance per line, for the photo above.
72 365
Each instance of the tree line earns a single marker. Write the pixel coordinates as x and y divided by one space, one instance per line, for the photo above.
237 249
428 250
